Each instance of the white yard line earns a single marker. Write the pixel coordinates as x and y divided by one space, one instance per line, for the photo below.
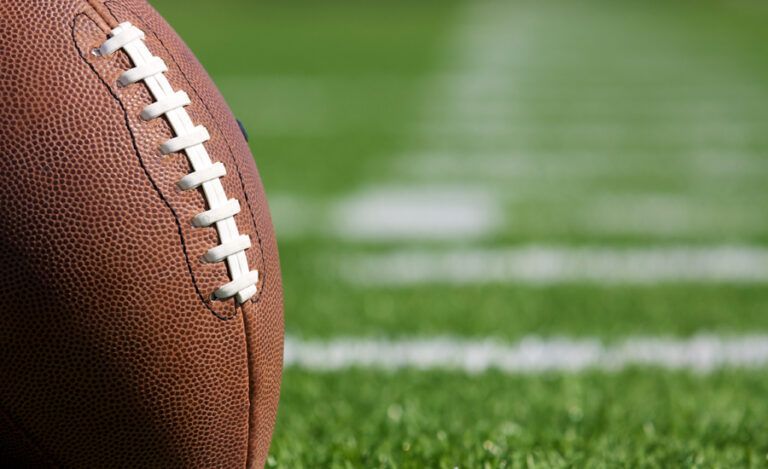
702 353
390 213
545 265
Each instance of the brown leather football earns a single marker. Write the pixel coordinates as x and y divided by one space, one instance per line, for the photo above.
141 316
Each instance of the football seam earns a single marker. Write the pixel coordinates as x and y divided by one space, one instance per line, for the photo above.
251 390
137 153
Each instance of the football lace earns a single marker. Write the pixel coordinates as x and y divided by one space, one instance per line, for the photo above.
189 138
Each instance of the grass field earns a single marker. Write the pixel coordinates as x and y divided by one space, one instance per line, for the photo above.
567 174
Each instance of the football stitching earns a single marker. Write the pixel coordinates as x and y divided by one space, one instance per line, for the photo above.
148 29
134 144
203 102
169 103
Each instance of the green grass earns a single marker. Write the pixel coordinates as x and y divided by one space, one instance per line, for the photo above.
637 418
629 123
511 312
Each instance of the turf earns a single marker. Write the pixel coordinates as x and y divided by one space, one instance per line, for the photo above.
511 312
594 122
638 418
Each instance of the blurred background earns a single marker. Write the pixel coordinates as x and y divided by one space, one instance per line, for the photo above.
513 233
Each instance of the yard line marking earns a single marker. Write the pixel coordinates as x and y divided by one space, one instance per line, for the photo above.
416 213
702 353
392 213
547 265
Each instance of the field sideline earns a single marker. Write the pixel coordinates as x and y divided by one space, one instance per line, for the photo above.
513 233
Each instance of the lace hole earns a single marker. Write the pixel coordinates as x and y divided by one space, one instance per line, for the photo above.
96 51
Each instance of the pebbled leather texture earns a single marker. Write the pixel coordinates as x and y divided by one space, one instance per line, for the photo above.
112 353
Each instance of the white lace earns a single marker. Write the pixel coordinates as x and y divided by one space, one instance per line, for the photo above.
189 138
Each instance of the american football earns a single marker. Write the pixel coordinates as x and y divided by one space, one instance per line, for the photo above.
512 234
140 287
